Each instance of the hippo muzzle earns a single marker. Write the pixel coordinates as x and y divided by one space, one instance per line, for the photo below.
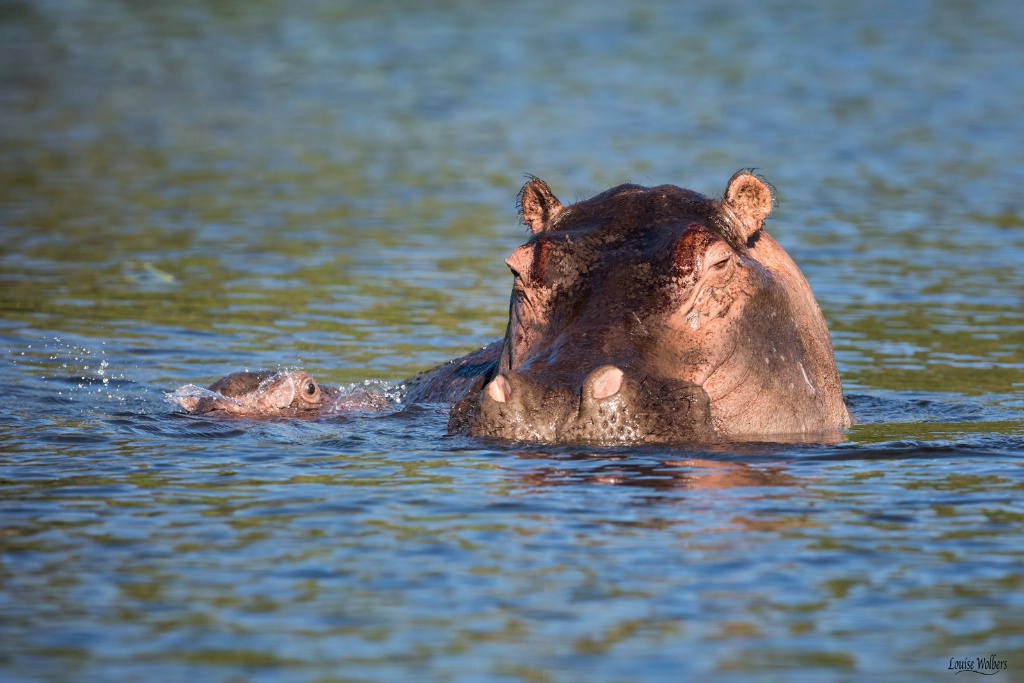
610 406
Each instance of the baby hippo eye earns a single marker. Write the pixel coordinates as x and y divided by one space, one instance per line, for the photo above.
309 388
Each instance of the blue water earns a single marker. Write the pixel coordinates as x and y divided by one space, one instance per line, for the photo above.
193 189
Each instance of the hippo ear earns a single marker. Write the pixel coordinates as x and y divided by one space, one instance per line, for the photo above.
537 205
748 201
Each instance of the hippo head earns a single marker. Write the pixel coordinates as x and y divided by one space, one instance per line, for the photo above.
259 394
656 314
290 393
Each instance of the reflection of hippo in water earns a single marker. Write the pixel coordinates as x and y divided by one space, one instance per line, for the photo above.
648 315
275 394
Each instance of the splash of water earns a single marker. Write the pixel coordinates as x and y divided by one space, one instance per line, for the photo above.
75 366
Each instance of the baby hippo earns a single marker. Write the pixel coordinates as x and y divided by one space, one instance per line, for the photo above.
275 394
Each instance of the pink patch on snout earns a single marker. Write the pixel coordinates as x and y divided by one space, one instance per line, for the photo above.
605 382
499 389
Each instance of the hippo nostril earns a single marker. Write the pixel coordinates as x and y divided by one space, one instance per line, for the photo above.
605 381
499 389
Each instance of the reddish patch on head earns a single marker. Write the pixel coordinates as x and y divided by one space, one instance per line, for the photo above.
689 248
541 254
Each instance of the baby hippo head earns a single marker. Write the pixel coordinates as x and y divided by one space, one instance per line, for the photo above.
257 394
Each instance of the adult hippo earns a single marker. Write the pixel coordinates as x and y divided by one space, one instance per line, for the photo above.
648 315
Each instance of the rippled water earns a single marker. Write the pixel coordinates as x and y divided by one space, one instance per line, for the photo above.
190 189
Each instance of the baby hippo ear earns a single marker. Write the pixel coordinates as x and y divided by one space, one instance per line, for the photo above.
537 205
748 201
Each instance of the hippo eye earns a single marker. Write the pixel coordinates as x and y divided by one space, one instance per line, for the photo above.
718 257
519 263
517 281
309 388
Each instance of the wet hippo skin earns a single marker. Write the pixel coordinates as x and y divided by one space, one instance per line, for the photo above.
650 315
274 394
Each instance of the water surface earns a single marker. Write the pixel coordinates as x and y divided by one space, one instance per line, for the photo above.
192 189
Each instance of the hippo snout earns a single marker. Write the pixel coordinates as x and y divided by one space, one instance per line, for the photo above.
602 384
599 385
609 406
